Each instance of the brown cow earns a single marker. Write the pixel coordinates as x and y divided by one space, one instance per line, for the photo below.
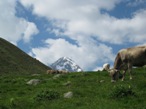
51 72
63 72
127 58
56 72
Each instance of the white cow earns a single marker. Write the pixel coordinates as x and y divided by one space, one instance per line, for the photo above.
106 66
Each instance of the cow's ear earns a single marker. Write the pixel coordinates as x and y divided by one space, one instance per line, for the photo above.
109 70
117 70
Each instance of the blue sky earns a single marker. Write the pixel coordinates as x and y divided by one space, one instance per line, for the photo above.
90 32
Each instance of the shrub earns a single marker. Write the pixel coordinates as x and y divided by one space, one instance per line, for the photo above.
18 103
47 95
122 91
3 107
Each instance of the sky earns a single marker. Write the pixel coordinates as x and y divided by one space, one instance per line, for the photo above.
90 32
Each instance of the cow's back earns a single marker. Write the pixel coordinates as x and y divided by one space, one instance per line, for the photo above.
136 55
140 56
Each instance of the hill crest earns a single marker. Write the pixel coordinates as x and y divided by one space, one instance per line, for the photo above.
14 60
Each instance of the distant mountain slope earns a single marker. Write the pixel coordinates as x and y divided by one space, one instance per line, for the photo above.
67 64
14 60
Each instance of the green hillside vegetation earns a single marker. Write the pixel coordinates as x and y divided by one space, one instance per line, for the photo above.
14 60
91 90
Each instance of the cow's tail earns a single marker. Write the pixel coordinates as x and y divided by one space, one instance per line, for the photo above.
118 62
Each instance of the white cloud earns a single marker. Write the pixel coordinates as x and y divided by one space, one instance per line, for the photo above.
84 18
13 28
98 69
135 3
88 54
67 9
30 30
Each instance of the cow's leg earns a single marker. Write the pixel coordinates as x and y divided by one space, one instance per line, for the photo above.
113 79
124 73
130 70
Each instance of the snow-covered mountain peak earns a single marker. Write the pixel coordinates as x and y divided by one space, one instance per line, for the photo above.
67 64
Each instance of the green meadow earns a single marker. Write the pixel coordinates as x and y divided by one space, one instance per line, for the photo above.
91 90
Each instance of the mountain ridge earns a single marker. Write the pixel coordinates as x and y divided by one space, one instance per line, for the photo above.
14 60
65 63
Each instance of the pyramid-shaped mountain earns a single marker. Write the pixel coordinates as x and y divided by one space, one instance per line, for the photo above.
67 64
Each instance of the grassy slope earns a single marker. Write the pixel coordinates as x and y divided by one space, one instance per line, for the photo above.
14 60
88 92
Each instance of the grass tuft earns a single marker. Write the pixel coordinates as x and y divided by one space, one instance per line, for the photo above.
47 95
120 91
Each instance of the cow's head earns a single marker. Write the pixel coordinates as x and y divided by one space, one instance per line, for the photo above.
114 73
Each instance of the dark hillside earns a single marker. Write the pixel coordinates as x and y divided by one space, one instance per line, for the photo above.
14 60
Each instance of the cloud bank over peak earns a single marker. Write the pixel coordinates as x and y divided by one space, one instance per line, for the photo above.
87 55
84 30
84 22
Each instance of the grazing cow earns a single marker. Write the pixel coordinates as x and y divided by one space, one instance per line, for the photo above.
127 58
106 66
56 72
63 72
51 72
